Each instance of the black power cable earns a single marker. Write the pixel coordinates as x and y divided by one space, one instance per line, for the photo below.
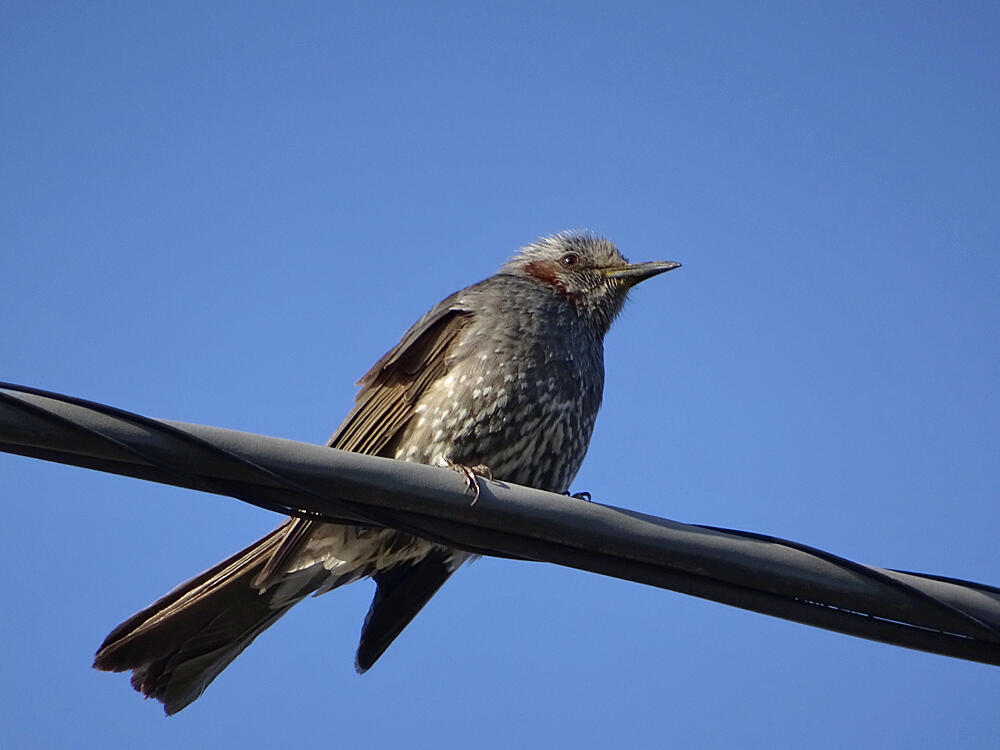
753 571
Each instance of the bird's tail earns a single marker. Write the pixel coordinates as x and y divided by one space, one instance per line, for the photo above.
179 644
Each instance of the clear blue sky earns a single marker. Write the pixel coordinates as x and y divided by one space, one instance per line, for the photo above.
224 213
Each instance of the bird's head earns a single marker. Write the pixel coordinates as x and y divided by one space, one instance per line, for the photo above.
587 271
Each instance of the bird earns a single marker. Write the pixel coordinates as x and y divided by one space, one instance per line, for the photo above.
502 380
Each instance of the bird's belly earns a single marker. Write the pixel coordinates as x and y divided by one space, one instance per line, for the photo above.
524 433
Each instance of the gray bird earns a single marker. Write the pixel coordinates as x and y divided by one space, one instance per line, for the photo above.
502 379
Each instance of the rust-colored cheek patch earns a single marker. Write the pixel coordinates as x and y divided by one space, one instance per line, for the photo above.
547 272
544 271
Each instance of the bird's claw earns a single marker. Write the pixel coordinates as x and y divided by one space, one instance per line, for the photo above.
471 474
585 496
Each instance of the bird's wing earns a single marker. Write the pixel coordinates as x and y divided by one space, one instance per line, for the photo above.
178 645
383 407
394 384
402 592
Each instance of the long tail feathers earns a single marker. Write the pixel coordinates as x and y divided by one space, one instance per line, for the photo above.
179 644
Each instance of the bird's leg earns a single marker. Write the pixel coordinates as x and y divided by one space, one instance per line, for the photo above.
471 473
585 496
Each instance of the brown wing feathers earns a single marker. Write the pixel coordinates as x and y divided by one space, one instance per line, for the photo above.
382 408
178 645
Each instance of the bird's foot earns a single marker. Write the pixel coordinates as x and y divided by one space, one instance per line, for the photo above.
585 496
471 474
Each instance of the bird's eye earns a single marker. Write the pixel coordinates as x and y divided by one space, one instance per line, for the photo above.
569 259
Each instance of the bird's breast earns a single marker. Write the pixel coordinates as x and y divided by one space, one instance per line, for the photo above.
526 410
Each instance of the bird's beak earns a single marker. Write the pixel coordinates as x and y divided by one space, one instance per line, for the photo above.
633 273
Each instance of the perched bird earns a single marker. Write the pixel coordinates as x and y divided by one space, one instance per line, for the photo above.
502 379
